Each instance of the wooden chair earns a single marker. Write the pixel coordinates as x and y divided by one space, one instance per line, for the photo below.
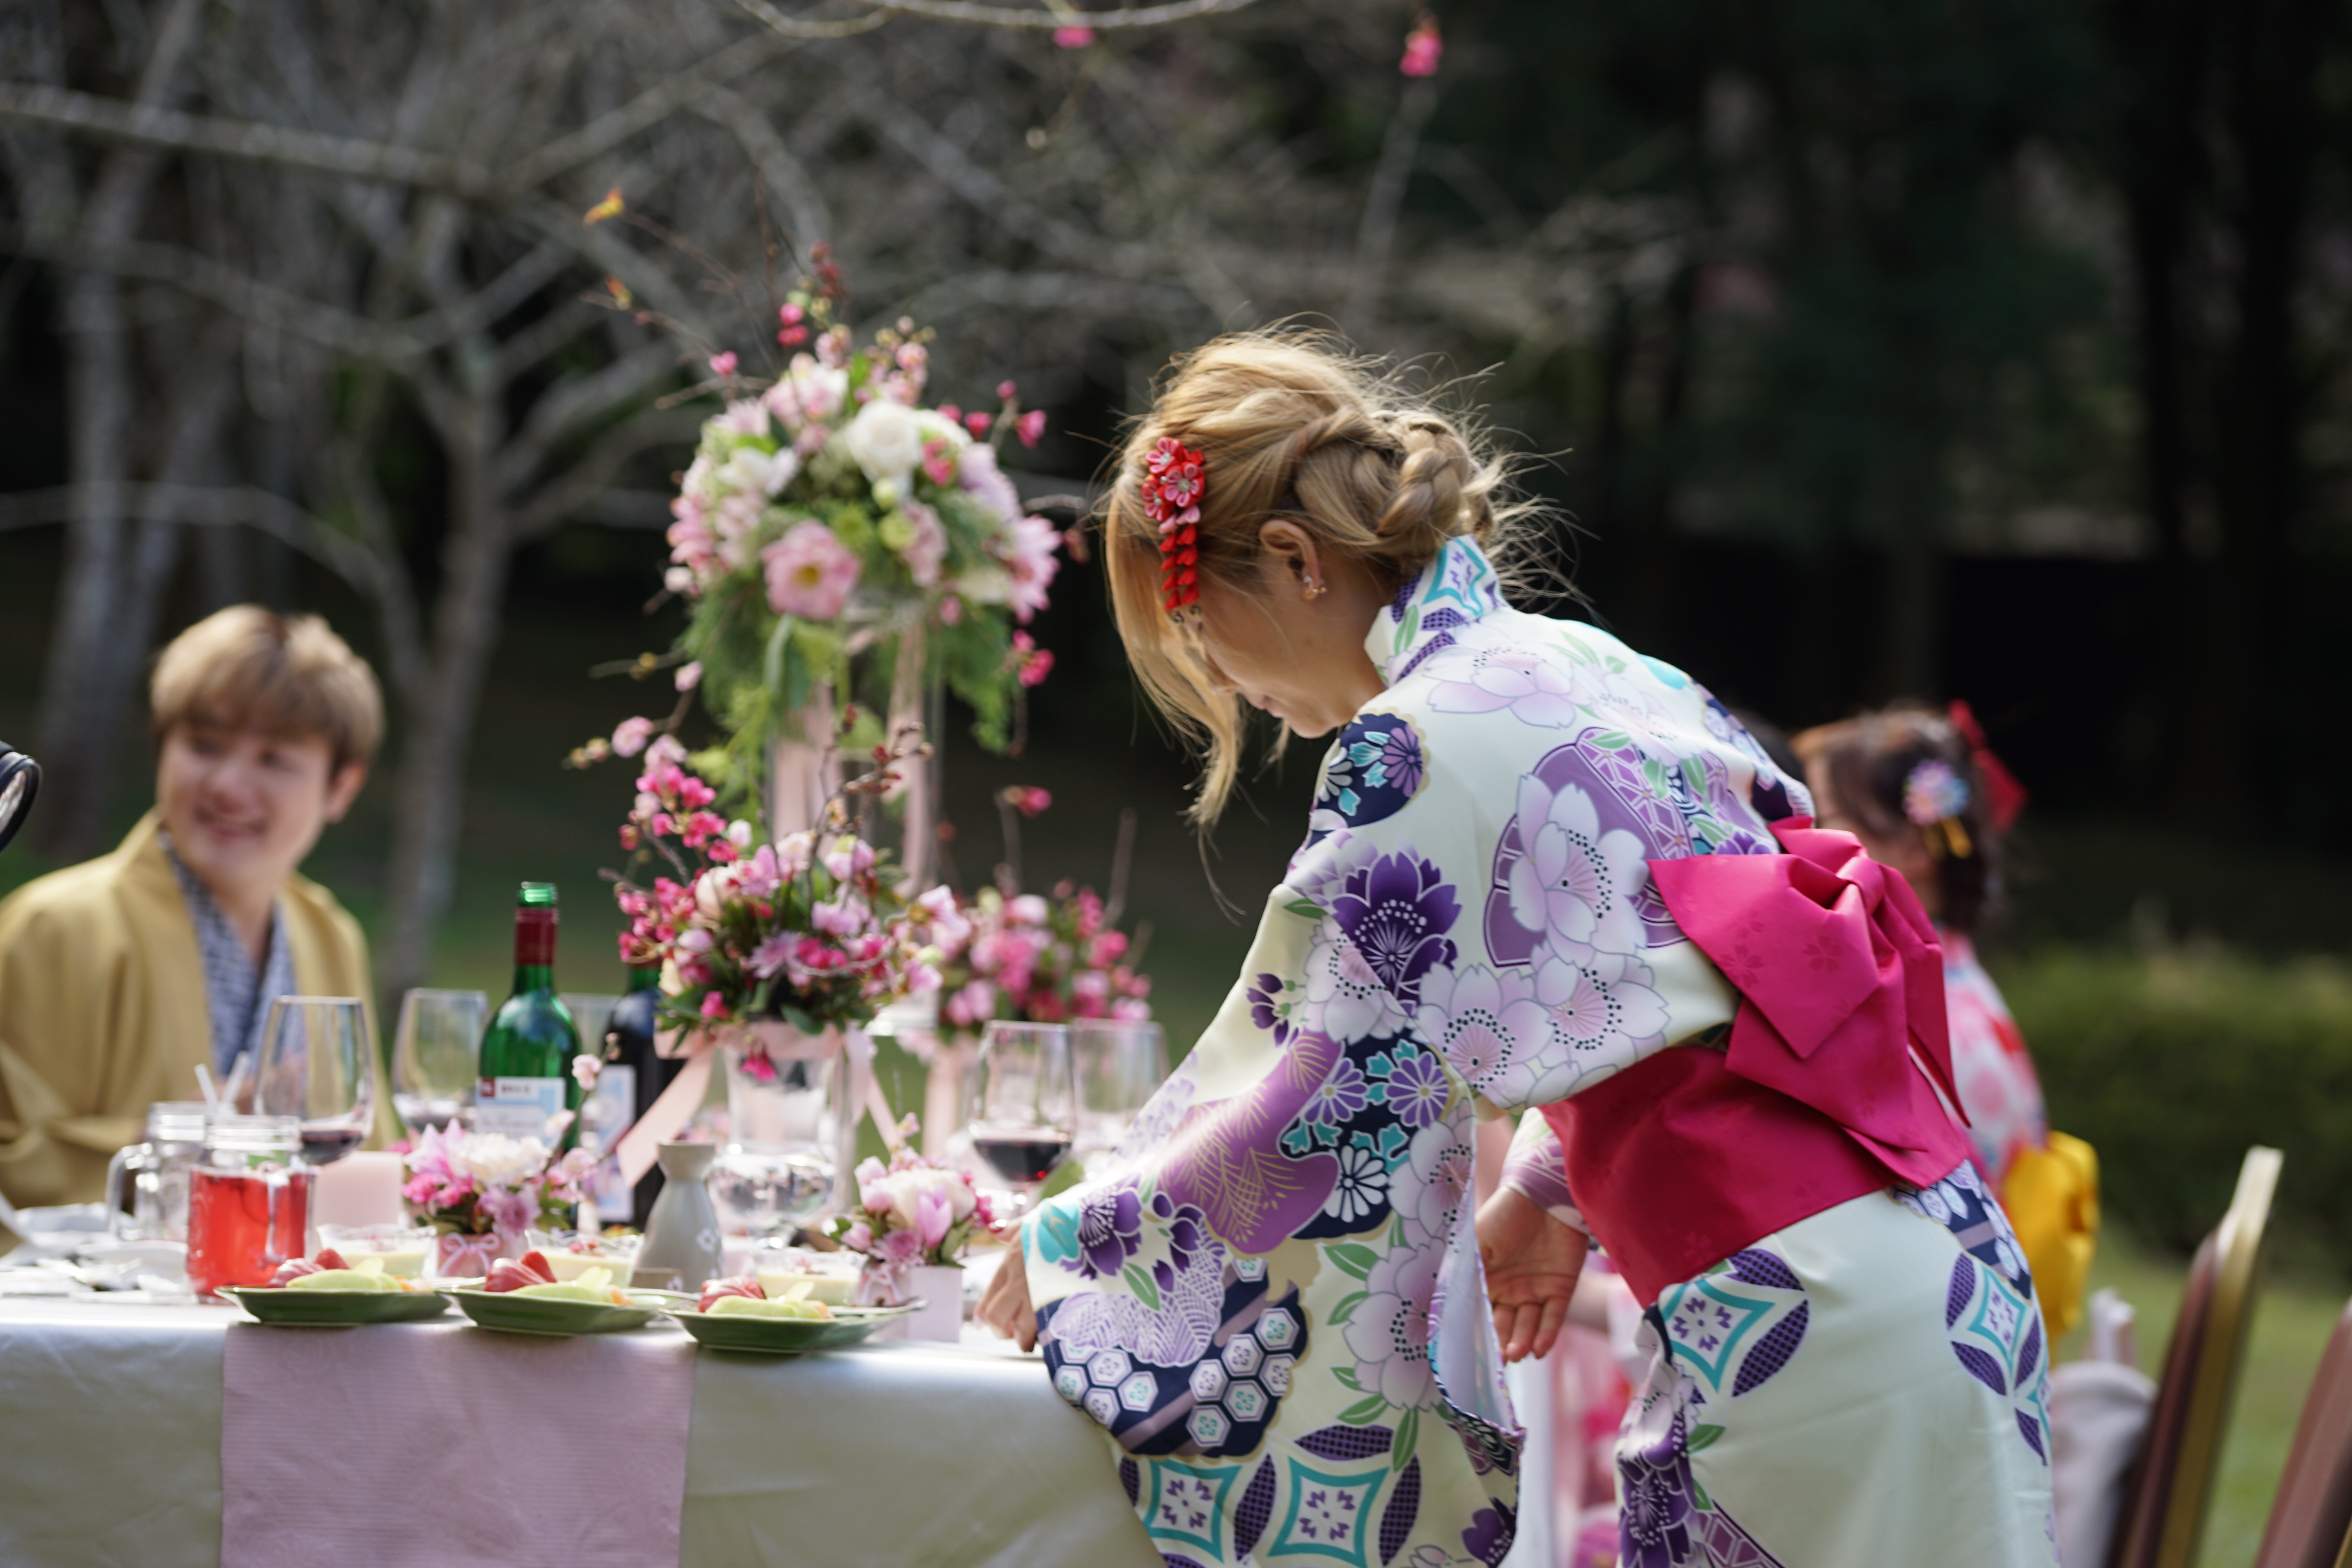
2311 1519
2172 1486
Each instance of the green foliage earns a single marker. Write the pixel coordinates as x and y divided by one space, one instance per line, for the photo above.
2171 1064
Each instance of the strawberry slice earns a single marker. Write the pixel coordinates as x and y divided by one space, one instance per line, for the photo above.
507 1274
327 1258
719 1290
290 1270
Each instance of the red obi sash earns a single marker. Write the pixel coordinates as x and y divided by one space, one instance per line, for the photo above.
1824 1092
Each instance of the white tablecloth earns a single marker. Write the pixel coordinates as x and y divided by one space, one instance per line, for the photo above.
887 1456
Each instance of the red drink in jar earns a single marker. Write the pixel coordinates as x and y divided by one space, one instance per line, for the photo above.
248 1202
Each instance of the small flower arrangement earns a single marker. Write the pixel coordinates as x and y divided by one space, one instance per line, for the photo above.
804 931
1036 960
828 518
487 1183
913 1211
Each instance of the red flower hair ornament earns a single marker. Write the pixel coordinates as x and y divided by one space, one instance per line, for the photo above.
1174 483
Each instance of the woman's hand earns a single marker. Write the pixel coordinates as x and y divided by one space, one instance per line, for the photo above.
1532 1261
1004 1305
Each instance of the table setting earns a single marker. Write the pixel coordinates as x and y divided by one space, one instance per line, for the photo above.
669 1266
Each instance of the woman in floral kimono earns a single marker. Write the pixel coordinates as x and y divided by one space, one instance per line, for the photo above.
1542 873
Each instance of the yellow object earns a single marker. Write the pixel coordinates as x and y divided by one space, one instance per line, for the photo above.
2051 1195
102 1008
344 1279
745 1306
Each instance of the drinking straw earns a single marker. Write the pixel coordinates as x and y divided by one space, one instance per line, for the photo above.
205 1082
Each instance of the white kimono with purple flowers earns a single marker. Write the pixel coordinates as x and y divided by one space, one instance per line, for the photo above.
1272 1301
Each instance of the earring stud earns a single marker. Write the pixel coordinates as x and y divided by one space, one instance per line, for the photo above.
1314 588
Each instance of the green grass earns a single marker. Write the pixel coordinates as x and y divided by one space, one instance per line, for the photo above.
2293 1317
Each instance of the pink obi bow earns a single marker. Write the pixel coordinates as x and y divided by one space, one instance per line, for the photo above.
460 1257
1838 963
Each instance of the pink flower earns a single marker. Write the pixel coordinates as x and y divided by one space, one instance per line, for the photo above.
950 611
933 1214
972 1006
774 953
689 675
809 573
1072 39
858 1237
848 856
844 917
1032 565
724 364
1422 47
928 548
630 736
1028 910
978 422
667 751
1031 426
902 1248
584 1068
1006 391
744 416
714 1005
510 1213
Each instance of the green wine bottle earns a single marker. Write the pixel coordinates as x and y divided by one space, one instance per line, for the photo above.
526 1071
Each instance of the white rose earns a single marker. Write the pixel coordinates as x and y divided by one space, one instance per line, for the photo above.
750 468
494 1160
886 439
909 1187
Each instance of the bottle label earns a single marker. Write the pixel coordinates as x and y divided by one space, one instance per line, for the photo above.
517 1107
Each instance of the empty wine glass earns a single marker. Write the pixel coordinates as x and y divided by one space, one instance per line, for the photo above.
1121 1064
317 1063
436 1055
1024 1103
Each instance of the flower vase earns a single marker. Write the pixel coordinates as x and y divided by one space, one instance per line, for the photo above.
785 1120
459 1255
939 1289
683 1247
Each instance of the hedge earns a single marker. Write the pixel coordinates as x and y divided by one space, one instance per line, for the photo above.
2172 1062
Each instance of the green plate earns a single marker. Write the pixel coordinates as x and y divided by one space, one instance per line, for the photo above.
512 1312
337 1309
785 1336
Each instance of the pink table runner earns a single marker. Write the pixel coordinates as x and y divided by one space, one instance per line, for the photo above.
418 1446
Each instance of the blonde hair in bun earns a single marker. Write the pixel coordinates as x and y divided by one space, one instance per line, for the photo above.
1292 424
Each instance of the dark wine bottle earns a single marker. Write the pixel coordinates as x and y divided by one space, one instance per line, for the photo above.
629 1049
526 1072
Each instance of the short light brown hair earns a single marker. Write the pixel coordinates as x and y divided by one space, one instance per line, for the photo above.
250 668
1291 424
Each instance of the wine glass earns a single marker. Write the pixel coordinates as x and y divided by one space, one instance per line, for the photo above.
1024 1103
1120 1065
785 1114
436 1055
317 1063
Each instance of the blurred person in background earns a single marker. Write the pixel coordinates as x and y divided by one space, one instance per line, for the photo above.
120 976
1927 797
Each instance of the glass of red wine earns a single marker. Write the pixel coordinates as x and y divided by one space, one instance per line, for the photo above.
316 1063
1025 1104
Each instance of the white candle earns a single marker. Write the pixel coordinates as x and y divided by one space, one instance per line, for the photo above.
360 1188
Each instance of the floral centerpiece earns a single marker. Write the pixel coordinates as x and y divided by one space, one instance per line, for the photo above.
806 930
1014 955
914 1212
831 524
484 1191
1038 960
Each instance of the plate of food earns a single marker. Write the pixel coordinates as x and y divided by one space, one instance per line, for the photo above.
524 1297
328 1292
738 1315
